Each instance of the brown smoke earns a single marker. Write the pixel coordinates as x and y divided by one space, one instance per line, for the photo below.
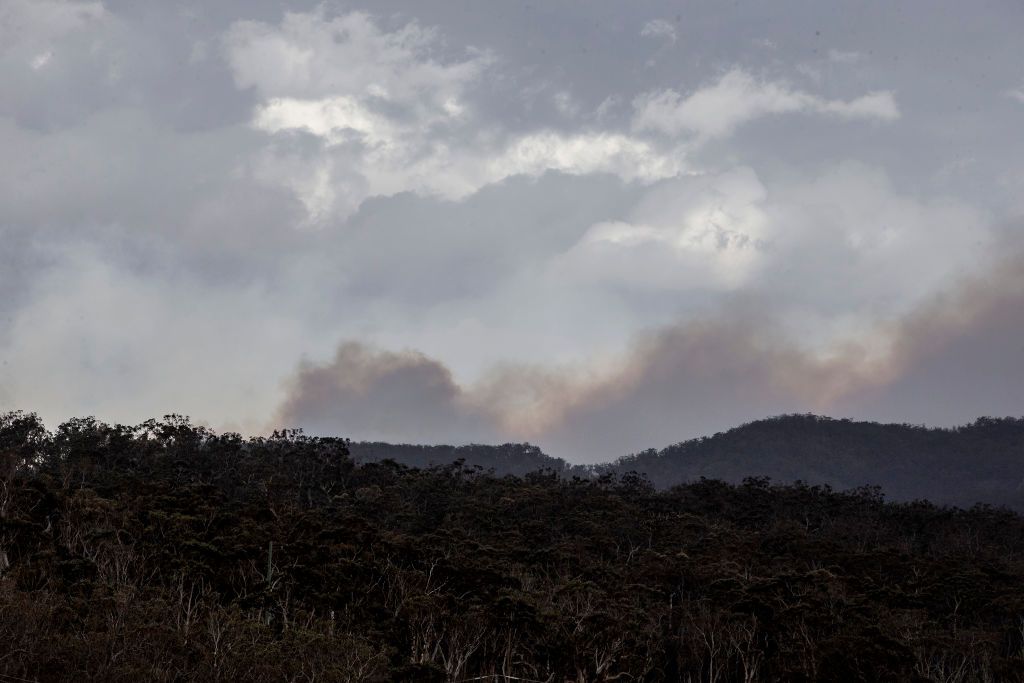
376 394
958 357
961 356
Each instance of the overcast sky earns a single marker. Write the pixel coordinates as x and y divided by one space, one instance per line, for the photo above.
597 226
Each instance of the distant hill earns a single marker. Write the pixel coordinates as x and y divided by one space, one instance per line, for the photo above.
510 458
979 462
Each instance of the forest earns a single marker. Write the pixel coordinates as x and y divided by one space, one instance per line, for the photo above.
167 552
975 463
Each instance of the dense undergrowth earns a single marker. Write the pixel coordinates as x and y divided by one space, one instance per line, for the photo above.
144 553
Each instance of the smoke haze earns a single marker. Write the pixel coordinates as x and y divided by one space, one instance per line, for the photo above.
961 355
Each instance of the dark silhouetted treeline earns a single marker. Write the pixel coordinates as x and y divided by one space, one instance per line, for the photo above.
511 458
981 462
165 552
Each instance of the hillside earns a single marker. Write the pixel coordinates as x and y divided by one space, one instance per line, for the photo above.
510 458
164 551
979 462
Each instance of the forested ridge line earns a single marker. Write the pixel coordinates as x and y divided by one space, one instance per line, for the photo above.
980 462
165 551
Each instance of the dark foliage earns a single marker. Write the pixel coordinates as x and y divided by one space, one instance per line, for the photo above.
511 458
143 553
977 463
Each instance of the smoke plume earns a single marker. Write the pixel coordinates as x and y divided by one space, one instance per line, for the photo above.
958 357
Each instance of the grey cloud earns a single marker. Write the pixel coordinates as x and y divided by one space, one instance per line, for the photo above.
135 192
20 259
65 61
424 251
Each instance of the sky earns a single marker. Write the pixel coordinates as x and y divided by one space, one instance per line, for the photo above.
596 226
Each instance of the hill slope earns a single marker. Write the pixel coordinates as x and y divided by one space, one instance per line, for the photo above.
167 552
510 458
980 462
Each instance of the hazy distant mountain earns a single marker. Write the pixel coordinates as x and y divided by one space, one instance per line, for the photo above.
980 462
510 458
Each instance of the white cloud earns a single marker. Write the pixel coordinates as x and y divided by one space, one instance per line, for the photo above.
1016 94
379 102
377 99
392 118
659 28
735 231
387 160
737 98
313 56
336 119
845 56
704 232
629 158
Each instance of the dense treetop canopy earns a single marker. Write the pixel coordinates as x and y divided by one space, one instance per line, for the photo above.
164 551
